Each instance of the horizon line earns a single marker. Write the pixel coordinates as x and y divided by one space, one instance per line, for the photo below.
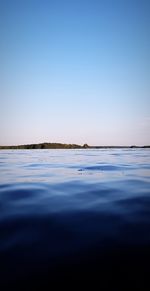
58 145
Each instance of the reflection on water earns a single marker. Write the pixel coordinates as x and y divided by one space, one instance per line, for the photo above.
85 213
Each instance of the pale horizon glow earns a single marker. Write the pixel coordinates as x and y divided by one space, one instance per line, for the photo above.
75 72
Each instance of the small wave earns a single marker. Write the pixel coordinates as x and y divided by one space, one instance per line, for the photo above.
106 168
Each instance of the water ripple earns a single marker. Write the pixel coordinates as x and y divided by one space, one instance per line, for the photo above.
56 218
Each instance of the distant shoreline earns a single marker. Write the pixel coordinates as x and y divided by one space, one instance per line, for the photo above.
67 146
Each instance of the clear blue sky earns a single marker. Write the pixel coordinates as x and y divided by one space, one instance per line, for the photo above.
75 71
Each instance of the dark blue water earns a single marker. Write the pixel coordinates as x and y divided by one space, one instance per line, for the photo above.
79 215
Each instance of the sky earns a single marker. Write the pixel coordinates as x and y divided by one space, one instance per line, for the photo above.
75 71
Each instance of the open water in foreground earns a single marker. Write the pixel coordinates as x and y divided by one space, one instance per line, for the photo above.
75 215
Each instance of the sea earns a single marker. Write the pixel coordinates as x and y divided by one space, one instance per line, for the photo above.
75 216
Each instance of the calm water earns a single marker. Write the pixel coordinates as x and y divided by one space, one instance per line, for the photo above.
78 214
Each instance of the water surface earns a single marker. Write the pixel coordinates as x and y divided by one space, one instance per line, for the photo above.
82 214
